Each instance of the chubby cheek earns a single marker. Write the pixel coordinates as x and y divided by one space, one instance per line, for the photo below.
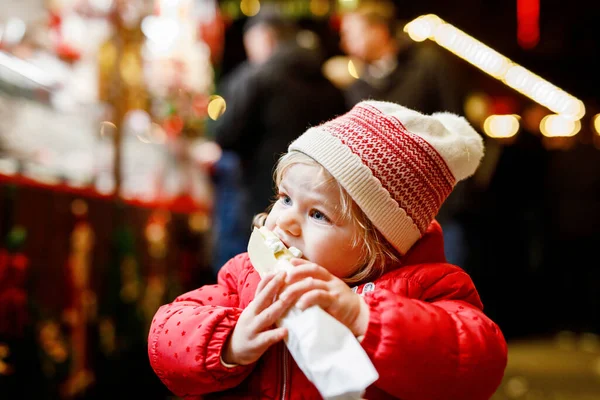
339 259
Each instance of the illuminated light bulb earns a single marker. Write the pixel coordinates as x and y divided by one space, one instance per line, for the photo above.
250 7
444 36
198 222
319 7
337 70
471 50
495 64
79 207
514 76
476 107
155 232
432 20
417 31
501 126
422 28
348 3
559 98
559 101
529 83
575 108
490 62
516 386
216 107
352 70
559 126
544 92
162 33
596 123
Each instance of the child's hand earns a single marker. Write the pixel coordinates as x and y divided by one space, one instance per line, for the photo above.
314 285
254 332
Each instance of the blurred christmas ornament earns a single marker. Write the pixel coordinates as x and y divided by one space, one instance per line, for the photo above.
14 313
82 305
178 69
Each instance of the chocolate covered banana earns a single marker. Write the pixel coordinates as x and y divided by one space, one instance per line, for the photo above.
265 249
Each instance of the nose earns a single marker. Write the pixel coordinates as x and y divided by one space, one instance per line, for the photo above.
289 222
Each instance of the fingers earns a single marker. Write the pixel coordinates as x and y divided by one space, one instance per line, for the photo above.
263 282
268 338
303 270
270 315
321 298
298 261
294 290
266 293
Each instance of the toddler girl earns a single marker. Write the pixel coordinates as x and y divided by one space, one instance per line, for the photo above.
358 196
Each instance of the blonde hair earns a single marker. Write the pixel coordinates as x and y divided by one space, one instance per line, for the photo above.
377 252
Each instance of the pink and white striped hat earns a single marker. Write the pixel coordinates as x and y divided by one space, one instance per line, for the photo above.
397 164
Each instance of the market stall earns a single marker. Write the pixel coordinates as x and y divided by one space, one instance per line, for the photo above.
104 214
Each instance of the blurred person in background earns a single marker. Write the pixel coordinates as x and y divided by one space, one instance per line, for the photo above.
420 76
271 98
393 67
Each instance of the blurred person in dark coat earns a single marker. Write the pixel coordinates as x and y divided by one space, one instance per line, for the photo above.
271 98
394 68
420 76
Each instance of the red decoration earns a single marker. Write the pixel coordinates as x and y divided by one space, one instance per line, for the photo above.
213 34
503 105
65 51
335 22
54 20
13 296
528 23
173 126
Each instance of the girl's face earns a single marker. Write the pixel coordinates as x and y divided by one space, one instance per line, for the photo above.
308 216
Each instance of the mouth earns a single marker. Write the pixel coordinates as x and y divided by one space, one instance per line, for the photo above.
287 243
281 237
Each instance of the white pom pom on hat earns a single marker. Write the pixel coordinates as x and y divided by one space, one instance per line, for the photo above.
397 164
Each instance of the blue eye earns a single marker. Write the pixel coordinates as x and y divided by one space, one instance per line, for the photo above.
319 216
285 199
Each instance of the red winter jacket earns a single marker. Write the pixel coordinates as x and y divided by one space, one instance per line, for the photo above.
427 336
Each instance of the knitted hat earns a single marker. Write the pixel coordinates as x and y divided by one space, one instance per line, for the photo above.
397 164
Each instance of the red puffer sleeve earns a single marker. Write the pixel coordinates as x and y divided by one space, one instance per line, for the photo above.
186 336
443 349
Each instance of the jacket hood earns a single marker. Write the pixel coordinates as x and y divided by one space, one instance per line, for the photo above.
428 249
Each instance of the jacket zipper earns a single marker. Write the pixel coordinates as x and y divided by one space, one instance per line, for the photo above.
285 373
